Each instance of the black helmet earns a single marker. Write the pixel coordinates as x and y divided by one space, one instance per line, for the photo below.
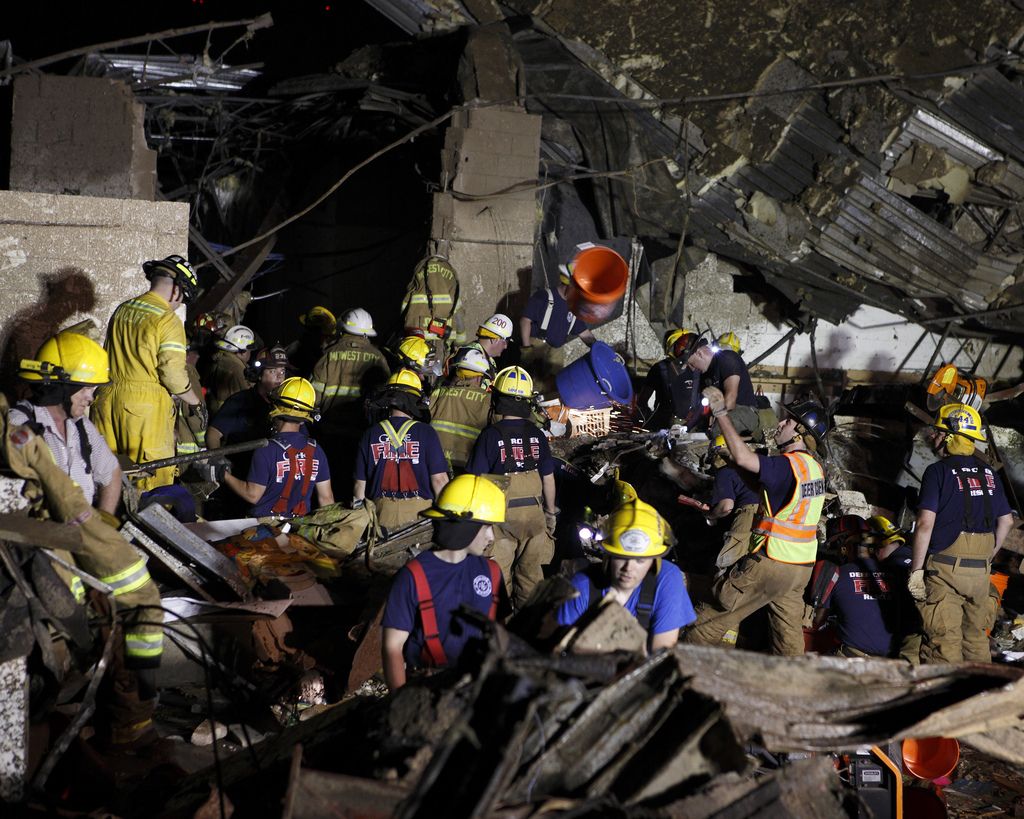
178 270
812 417
687 344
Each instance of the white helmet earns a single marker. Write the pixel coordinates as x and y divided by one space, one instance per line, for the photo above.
357 322
497 326
236 339
471 359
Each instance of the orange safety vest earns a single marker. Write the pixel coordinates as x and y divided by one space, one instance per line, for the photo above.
790 535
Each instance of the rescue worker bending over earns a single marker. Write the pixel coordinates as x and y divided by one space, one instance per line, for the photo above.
349 370
63 381
962 519
547 319
734 493
430 587
400 465
72 463
146 346
784 541
318 329
725 370
227 370
513 445
459 408
432 305
283 473
635 576
674 387
863 595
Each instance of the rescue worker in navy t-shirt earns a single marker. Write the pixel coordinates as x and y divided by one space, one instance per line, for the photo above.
725 370
962 519
865 600
400 464
784 544
282 474
514 446
735 494
417 620
634 575
674 386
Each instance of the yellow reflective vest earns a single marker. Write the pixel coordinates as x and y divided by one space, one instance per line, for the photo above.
790 534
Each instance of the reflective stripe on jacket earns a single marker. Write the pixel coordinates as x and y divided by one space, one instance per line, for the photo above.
790 535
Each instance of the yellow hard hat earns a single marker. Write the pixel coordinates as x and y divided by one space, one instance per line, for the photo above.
469 497
719 443
671 339
414 350
636 529
406 381
962 420
497 326
513 381
886 530
729 341
320 317
295 400
68 358
624 493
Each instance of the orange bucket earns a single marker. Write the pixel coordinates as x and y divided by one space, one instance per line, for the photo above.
931 757
1000 581
598 283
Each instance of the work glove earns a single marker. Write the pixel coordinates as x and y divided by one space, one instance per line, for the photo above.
915 585
716 400
551 521
201 412
219 467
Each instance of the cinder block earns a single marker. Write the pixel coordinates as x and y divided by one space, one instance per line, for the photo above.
518 167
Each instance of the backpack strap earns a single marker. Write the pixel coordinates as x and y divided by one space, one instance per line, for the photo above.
281 504
433 652
85 446
308 451
495 583
645 605
544 322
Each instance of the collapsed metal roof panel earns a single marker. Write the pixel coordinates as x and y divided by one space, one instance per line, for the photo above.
992 108
423 17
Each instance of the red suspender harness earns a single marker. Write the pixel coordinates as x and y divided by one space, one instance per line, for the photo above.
281 504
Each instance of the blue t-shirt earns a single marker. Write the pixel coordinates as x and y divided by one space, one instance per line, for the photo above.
511 445
562 325
730 485
671 609
270 468
900 558
942 492
402 471
451 585
866 600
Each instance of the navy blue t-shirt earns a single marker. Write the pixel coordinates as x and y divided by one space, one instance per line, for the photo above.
942 492
270 468
511 445
727 363
900 558
399 471
562 326
670 610
729 485
866 600
451 585
778 480
676 392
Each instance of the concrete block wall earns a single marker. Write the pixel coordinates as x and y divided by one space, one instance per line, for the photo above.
489 240
80 135
65 259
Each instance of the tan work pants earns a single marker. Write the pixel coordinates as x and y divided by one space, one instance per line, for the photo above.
737 541
751 584
957 613
394 513
522 545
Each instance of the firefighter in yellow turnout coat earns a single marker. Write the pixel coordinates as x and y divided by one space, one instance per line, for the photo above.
146 345
460 407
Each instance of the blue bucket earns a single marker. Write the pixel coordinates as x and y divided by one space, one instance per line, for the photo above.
596 380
